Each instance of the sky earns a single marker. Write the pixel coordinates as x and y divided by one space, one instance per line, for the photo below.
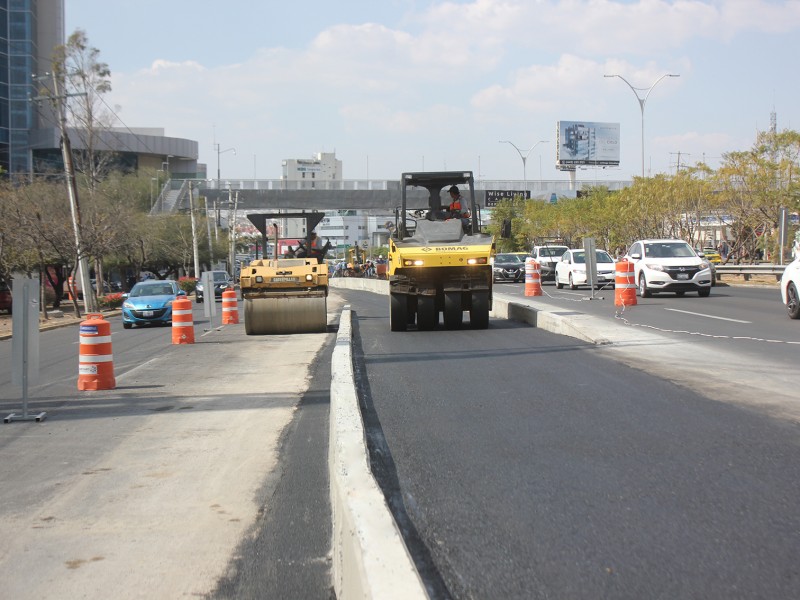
414 85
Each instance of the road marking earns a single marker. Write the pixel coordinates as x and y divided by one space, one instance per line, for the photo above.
708 316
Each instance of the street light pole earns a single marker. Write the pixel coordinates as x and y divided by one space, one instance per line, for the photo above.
219 178
524 158
642 101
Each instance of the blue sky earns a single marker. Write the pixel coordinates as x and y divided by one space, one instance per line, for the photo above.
405 85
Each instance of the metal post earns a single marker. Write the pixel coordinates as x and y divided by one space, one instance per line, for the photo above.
524 158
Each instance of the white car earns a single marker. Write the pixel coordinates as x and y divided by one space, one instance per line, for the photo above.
790 288
669 266
571 269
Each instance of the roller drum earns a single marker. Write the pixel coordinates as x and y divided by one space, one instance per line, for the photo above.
282 315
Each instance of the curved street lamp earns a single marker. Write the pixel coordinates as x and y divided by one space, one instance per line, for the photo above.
643 101
524 157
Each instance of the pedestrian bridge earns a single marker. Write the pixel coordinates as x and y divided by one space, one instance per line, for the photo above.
361 194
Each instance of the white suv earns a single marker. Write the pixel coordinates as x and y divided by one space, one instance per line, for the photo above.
669 266
547 257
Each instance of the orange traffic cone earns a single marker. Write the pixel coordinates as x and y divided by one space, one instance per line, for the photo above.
182 323
533 278
624 284
230 310
95 360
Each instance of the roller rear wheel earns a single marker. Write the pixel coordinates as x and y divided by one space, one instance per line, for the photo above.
479 313
427 315
398 313
453 313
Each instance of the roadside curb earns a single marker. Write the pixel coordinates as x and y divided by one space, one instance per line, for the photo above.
370 559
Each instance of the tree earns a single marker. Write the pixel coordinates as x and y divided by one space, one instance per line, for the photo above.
85 80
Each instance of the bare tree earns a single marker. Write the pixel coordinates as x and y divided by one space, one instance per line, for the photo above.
86 80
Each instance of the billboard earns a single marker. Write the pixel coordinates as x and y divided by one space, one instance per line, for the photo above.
587 144
492 197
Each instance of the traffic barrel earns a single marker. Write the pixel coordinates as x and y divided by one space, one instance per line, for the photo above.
182 323
95 360
533 278
230 310
624 284
70 288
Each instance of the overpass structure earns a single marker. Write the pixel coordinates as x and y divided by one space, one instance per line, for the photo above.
270 194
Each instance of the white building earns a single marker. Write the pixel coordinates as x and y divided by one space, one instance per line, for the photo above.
324 166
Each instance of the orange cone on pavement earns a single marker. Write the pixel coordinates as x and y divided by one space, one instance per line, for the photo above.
182 323
533 278
95 359
230 310
624 284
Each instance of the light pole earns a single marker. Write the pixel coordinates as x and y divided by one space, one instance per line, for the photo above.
218 153
152 195
642 101
524 157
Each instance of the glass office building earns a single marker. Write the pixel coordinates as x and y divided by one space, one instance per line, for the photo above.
29 32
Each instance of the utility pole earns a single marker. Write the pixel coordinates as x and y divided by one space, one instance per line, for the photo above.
194 237
72 191
232 234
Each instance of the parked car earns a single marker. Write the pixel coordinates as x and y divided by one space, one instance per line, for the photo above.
150 303
790 288
221 282
669 266
509 266
5 297
547 256
571 269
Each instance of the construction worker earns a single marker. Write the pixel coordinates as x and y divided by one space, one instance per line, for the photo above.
457 210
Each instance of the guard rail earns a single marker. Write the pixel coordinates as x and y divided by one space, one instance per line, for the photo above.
748 271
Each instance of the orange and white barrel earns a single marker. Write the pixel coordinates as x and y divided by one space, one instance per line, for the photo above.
533 277
624 284
182 322
230 309
95 359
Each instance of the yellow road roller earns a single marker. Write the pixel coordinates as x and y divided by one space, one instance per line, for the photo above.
439 260
286 295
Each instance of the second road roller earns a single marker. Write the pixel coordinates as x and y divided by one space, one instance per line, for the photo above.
286 295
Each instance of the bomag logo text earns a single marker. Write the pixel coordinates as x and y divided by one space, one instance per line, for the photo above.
451 248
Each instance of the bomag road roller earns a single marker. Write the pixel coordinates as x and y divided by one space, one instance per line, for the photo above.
286 295
439 262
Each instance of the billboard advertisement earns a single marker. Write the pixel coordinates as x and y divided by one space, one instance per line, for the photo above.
587 144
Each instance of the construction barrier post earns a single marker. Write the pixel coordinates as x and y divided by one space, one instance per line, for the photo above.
533 278
70 288
230 310
624 284
95 360
182 323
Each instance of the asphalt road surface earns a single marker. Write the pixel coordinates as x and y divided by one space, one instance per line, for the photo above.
523 464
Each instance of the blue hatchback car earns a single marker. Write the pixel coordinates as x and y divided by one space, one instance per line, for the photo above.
150 302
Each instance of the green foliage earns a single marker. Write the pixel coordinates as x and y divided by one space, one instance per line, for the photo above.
110 301
187 284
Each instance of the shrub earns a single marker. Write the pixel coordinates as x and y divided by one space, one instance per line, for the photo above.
114 300
187 284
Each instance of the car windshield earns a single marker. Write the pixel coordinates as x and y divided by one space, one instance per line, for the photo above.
220 277
552 251
509 258
152 289
668 250
604 257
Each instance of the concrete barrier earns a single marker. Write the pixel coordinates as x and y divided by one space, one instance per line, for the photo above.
370 559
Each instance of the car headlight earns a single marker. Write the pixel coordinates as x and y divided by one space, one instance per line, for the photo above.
705 265
654 267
